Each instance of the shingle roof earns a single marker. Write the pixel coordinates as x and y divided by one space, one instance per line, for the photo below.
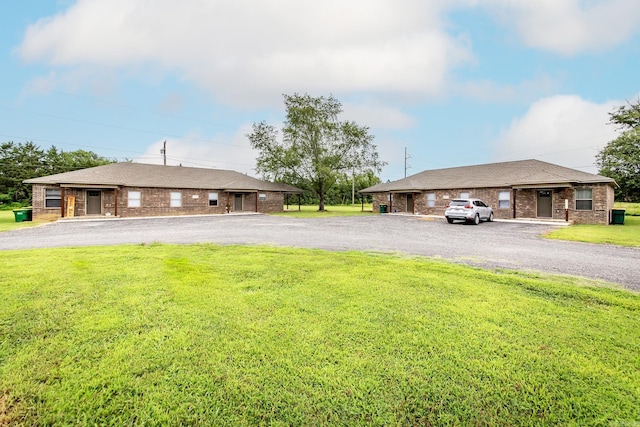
145 175
507 174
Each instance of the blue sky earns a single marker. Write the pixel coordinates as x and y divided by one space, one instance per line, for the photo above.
455 82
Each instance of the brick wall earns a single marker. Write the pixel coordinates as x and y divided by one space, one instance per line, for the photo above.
442 198
157 202
526 201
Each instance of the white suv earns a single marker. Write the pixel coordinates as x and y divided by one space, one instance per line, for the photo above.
470 210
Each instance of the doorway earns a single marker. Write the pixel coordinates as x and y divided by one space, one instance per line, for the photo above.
237 202
410 203
94 202
545 204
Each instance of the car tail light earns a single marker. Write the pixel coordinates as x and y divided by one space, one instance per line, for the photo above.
468 206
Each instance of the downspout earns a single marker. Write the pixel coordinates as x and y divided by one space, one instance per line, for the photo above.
256 201
514 203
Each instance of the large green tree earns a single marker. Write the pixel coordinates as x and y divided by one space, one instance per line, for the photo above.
620 158
20 161
316 148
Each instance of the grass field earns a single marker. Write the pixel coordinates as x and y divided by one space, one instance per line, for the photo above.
312 211
211 335
8 221
623 235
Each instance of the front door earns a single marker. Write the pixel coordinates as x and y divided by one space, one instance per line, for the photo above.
410 203
545 205
237 203
94 202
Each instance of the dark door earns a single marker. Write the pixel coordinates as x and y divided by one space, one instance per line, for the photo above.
410 203
237 203
545 206
94 202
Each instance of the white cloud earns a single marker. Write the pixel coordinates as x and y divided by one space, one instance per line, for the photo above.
524 91
247 50
377 116
569 26
230 152
565 130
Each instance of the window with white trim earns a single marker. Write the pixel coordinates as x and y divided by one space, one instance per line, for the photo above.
176 199
504 199
133 199
52 198
431 200
464 195
262 197
213 199
584 199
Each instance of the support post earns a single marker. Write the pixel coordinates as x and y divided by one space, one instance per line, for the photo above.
62 202
115 201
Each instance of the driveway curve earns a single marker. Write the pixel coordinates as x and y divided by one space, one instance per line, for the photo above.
508 245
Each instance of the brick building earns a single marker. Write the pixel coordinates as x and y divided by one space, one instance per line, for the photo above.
521 189
140 190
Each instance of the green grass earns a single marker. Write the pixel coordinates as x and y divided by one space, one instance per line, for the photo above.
337 210
8 222
211 335
623 235
630 208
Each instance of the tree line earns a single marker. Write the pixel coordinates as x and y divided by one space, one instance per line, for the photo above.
620 158
26 160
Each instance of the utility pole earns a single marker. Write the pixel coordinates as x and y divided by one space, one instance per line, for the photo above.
406 166
163 151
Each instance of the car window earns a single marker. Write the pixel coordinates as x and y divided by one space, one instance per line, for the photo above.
458 203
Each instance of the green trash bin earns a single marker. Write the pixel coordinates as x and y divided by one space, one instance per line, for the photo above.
383 208
617 216
23 214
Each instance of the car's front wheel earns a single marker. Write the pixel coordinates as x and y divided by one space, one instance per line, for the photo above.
491 217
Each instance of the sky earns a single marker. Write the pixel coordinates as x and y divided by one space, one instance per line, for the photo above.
439 83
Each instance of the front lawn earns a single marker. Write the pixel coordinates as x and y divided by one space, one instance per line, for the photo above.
623 235
8 221
234 335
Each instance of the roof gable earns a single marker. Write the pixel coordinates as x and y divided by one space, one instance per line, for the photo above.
159 176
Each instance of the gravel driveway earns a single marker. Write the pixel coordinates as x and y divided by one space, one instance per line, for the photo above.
491 245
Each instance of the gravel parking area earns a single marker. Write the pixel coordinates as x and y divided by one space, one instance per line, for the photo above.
508 245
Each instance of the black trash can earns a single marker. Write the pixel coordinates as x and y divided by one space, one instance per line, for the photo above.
617 216
383 208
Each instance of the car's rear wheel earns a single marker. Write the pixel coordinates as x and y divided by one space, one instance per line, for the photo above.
450 220
476 219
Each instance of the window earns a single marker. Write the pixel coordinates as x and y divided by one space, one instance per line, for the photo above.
262 197
52 198
176 199
464 195
390 197
504 199
431 200
584 199
133 199
213 199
